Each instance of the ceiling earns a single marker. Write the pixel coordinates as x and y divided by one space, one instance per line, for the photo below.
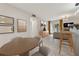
44 10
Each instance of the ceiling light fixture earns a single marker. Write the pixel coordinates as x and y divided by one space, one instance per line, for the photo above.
33 15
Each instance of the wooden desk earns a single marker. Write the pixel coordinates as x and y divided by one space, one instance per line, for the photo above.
20 46
44 33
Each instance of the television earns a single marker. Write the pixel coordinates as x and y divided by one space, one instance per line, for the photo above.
70 24
65 24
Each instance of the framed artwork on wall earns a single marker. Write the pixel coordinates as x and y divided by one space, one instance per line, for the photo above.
6 24
5 20
6 29
21 25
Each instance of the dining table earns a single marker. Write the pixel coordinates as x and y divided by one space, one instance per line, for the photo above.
19 46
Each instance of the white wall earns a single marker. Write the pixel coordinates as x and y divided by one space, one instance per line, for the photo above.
34 26
8 10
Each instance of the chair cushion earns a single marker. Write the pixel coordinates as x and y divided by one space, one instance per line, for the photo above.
44 50
37 54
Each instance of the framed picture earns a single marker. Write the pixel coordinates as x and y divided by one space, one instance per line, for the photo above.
5 20
6 29
6 24
21 25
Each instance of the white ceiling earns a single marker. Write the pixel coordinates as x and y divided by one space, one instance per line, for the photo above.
47 9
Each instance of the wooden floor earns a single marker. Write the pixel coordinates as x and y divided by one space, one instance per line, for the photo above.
53 44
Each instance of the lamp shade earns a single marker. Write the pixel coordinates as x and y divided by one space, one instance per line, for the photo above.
44 29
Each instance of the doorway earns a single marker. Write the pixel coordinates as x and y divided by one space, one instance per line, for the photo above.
53 26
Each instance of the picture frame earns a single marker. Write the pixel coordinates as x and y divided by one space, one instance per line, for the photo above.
21 25
6 29
6 20
6 24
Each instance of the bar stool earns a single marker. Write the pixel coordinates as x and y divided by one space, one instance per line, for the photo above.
66 36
